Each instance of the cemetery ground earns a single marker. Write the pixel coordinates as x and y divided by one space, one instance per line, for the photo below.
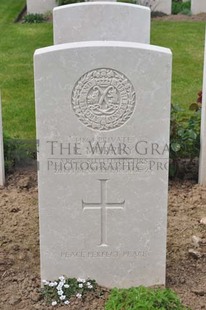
19 264
19 238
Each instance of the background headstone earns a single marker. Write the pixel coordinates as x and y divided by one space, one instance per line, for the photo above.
95 21
40 6
2 169
103 115
164 6
198 6
202 163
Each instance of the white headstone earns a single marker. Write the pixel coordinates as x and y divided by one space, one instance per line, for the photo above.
2 169
198 6
202 162
94 21
40 6
103 115
164 6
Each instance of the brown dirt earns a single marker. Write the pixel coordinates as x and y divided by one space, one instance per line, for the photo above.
181 18
19 238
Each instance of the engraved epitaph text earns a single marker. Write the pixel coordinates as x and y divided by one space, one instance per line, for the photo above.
103 205
103 99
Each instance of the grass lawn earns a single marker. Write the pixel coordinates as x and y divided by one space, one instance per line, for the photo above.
186 40
17 45
19 41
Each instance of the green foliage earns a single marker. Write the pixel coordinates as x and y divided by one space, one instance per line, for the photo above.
142 298
179 7
18 152
128 1
9 150
34 18
184 134
63 2
186 12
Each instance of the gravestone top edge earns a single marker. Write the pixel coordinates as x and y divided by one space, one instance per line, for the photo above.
84 44
102 3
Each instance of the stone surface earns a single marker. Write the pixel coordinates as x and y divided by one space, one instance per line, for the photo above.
203 221
103 115
164 6
2 168
202 160
40 6
101 21
196 241
194 253
198 6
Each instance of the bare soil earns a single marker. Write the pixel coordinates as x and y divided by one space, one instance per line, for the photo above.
19 239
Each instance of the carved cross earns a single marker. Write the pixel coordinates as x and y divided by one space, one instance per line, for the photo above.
103 205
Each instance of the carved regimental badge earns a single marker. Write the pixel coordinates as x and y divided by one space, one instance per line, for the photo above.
103 99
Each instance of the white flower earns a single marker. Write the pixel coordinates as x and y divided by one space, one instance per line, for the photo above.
66 302
90 286
55 283
62 297
62 278
78 295
88 283
45 282
66 285
54 303
60 292
80 285
81 280
59 287
51 284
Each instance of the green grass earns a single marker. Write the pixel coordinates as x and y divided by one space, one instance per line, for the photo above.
17 45
19 41
186 40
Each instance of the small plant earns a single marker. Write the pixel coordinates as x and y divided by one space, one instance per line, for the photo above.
179 7
62 290
137 298
184 134
63 2
34 18
18 152
186 12
9 149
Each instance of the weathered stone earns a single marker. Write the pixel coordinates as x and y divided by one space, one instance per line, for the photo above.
203 221
103 115
40 6
196 241
194 253
198 6
164 6
14 300
99 21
